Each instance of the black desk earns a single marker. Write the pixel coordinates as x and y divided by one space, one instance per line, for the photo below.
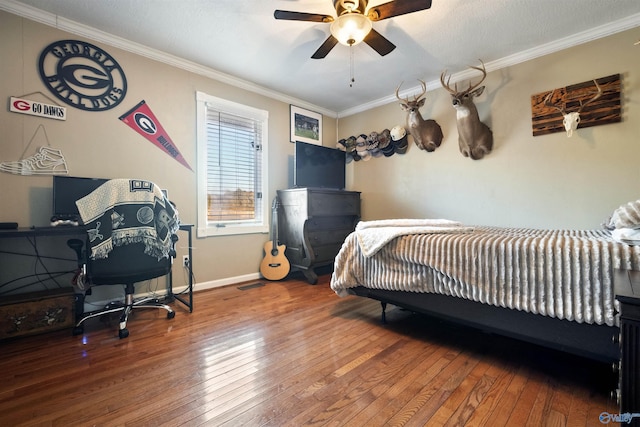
61 230
188 228
70 230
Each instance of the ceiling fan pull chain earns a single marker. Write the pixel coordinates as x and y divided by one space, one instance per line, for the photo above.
351 76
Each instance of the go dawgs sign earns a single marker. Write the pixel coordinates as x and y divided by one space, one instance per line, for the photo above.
82 75
34 108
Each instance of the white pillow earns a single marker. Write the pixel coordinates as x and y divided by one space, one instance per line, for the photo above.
629 236
626 216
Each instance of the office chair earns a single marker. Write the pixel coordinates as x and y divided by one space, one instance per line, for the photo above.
125 265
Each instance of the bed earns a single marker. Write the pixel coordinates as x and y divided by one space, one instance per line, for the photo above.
550 287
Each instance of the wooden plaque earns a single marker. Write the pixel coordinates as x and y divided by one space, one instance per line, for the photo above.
606 109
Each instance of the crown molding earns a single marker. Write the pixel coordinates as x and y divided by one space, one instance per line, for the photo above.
76 28
595 33
82 30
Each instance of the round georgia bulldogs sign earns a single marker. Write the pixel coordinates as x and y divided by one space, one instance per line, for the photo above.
82 75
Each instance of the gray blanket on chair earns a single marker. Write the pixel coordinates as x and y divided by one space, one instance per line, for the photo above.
124 211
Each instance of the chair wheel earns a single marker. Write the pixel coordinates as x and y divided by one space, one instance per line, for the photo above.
78 330
171 315
123 333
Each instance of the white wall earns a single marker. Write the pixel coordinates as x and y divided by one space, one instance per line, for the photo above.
546 181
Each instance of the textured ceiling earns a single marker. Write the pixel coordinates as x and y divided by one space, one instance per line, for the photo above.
241 38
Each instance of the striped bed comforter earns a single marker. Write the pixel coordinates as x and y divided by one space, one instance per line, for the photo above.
566 274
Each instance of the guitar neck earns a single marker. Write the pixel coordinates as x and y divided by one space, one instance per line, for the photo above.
274 222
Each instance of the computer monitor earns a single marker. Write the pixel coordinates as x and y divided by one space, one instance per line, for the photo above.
68 189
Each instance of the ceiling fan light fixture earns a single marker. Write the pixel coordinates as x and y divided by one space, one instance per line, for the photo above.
350 28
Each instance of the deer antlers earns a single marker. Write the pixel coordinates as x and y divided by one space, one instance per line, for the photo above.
454 91
416 97
598 94
572 119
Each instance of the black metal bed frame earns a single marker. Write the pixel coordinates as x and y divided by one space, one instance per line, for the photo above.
591 341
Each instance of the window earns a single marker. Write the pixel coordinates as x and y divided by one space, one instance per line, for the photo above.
232 175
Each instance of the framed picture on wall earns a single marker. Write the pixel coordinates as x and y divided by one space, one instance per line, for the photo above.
306 126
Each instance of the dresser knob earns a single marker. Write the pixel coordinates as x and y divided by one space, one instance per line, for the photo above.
615 395
615 367
615 339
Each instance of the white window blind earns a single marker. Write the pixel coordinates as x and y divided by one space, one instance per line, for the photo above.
233 148
234 164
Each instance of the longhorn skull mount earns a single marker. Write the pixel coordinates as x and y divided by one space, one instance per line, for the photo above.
571 120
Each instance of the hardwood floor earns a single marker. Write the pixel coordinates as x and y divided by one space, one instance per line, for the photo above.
288 353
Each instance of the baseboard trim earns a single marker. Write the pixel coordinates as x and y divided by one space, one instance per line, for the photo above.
212 284
197 287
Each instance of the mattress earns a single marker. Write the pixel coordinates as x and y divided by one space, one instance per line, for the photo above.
565 274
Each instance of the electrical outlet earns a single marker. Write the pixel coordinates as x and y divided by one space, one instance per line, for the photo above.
185 261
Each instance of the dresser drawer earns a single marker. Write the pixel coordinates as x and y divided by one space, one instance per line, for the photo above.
328 236
326 223
334 203
326 253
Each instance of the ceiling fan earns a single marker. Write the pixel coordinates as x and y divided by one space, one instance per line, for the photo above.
353 25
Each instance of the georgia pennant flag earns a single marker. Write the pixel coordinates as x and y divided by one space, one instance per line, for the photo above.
144 121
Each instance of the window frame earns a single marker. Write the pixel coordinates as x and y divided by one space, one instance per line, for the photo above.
208 228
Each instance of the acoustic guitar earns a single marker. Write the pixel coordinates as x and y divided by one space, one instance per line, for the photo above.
275 265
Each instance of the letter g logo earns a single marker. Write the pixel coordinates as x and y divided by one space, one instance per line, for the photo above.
145 123
21 105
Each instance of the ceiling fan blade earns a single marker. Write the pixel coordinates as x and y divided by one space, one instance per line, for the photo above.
379 43
396 8
326 47
301 16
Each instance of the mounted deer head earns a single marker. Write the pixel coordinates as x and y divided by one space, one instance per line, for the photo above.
427 134
474 137
571 120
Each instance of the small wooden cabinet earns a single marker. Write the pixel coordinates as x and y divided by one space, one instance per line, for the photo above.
313 223
627 290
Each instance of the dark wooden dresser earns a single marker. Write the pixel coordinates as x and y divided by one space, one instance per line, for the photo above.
313 223
627 289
